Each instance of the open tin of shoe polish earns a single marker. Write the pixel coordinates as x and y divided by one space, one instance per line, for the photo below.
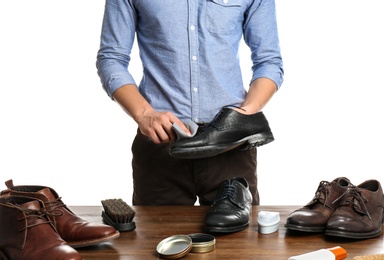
174 247
177 246
202 243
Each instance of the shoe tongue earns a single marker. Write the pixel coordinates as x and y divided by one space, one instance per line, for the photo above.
47 193
34 205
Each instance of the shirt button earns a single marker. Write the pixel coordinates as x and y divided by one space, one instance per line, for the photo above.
194 58
195 90
225 1
193 27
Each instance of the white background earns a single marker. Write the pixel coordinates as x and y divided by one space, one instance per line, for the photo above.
60 129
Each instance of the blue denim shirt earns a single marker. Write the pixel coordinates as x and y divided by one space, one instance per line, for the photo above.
189 50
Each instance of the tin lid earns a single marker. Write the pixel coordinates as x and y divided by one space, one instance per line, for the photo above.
202 243
174 247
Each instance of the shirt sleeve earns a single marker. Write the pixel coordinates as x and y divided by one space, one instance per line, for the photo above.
116 41
261 35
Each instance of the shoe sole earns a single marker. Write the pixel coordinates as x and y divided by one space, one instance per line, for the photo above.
226 229
212 150
305 229
353 235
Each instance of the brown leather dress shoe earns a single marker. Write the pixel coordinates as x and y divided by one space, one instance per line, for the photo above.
314 216
360 214
76 231
26 233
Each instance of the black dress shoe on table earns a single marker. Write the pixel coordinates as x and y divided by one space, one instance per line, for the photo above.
360 215
231 209
228 130
314 216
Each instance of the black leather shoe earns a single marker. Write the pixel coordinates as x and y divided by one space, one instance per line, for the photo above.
231 209
228 130
313 217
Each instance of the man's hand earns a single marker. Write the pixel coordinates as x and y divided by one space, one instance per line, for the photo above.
156 125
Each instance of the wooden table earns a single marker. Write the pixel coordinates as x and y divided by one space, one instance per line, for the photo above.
153 224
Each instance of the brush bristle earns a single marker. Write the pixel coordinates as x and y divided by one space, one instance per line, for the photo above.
118 210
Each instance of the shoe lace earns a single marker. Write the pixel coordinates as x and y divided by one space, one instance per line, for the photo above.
215 118
357 199
228 192
52 208
323 188
31 216
341 196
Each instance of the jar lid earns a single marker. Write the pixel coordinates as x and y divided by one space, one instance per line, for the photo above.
174 247
202 243
268 222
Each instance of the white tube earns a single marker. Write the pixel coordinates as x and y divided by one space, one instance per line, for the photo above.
322 254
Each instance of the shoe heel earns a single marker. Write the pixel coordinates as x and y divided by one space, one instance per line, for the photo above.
258 140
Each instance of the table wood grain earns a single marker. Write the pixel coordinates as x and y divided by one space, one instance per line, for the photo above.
154 223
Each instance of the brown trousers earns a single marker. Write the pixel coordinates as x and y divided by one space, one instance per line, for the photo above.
159 179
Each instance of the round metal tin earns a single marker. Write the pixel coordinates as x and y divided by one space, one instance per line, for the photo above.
174 247
202 243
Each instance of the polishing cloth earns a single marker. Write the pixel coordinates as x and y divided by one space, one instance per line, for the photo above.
192 127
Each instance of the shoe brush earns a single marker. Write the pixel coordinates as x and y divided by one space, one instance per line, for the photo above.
118 214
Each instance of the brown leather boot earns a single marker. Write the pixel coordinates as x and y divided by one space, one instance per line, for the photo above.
314 216
360 214
26 233
76 231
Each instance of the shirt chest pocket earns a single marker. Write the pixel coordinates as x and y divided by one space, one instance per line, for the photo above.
222 15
